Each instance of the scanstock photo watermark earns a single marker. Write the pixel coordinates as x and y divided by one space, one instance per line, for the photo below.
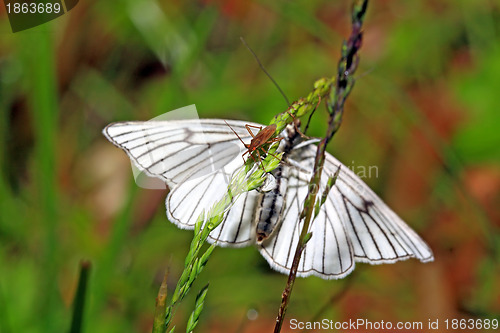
26 14
363 325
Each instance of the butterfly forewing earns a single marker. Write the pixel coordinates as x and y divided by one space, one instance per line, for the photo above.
179 150
193 157
196 158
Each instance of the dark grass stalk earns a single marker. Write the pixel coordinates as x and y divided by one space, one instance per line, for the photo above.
38 55
80 297
343 85
9 208
5 325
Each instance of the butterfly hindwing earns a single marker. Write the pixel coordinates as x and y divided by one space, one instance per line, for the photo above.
377 234
186 201
328 254
352 225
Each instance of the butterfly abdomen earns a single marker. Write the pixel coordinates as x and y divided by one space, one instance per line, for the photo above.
271 205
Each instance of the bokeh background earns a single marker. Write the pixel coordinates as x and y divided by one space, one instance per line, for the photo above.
424 110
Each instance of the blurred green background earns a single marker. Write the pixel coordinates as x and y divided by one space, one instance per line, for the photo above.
424 110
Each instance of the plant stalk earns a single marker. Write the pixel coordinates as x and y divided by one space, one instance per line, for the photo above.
343 85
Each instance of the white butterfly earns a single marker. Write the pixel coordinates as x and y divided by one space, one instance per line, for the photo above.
196 159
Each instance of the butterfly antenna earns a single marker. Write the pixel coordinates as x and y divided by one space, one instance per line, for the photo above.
265 71
244 144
